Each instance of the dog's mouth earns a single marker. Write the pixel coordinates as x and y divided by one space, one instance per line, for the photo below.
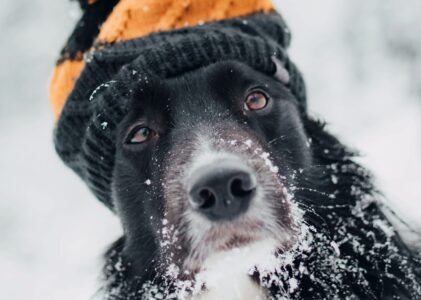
236 234
227 259
227 255
239 235
237 240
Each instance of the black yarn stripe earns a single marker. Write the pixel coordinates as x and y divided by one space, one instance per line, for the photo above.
86 29
97 177
100 158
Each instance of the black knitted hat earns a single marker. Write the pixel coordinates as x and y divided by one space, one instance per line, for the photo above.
85 130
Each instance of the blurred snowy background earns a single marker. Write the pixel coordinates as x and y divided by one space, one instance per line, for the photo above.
362 63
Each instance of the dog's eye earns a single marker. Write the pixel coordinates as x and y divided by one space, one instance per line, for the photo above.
139 134
255 101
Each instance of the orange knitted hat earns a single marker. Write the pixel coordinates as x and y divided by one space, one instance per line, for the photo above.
128 19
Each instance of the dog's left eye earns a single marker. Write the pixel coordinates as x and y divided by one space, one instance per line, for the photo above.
255 101
140 134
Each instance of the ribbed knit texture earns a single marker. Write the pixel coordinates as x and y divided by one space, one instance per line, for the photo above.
85 132
109 21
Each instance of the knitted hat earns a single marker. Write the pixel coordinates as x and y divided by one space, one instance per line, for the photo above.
117 42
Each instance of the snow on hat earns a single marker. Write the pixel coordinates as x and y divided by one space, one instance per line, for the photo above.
116 41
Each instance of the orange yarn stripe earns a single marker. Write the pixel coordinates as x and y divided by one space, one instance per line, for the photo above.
62 82
137 18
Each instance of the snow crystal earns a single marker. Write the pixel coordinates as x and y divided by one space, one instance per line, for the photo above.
335 247
293 284
248 143
99 88
148 182
173 271
119 265
388 230
269 163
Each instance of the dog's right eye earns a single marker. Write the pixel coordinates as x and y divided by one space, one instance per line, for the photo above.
139 134
255 101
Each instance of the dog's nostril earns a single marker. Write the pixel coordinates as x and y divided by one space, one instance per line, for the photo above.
207 199
240 189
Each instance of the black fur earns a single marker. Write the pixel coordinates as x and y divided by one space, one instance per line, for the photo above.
336 194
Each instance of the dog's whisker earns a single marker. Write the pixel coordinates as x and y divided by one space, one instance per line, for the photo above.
276 139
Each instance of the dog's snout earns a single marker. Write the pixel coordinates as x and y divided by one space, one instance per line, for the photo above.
222 190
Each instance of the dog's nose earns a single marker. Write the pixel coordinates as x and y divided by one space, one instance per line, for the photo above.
223 190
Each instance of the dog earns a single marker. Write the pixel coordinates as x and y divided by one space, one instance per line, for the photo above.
226 189
188 120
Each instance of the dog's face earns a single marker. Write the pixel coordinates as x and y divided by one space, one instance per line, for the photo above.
222 158
204 161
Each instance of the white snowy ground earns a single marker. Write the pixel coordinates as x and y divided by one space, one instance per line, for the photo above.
362 62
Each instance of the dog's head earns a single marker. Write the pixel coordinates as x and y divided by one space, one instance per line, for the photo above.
205 159
224 157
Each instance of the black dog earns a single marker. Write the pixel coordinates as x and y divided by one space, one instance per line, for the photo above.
222 165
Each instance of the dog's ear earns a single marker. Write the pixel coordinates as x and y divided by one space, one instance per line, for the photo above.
281 72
